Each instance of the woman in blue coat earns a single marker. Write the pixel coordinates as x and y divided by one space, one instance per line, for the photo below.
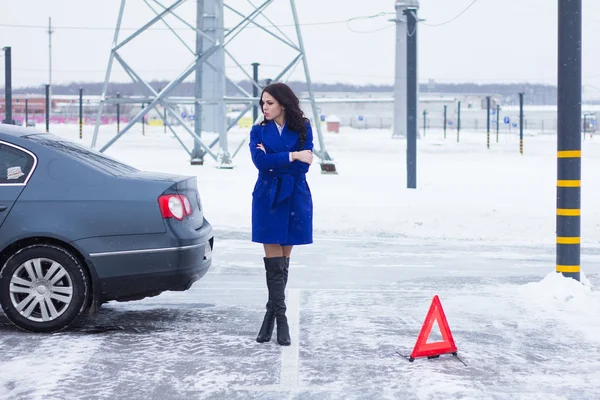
281 148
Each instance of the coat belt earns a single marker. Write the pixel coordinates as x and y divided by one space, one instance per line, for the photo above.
283 187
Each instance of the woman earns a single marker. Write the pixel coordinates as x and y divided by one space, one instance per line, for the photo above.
281 148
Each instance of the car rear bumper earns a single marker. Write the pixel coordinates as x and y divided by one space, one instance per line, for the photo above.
137 266
135 287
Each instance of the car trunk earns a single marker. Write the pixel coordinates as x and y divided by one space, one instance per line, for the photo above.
182 185
130 195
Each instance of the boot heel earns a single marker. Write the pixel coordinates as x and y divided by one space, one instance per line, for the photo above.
283 331
266 330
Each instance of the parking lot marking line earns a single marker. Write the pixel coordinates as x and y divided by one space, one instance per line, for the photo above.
237 288
292 390
290 355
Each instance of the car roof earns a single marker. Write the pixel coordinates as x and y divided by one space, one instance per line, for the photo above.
18 131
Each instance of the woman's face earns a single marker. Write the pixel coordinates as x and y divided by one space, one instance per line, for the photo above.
271 107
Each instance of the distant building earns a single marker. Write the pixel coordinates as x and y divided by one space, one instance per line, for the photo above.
36 104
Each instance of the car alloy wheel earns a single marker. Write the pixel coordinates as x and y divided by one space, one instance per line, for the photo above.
41 289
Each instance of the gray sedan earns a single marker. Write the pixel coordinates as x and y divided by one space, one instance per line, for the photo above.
78 228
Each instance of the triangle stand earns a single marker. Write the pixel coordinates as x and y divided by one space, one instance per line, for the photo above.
435 349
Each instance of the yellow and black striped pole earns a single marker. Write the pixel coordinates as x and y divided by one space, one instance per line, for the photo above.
80 113
497 123
119 113
568 191
458 125
47 108
521 123
488 98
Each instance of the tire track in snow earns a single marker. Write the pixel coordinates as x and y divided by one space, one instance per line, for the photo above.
174 353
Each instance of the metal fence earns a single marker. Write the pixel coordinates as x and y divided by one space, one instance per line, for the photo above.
468 123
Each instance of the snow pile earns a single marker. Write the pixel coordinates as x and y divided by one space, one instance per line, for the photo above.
564 299
556 292
333 118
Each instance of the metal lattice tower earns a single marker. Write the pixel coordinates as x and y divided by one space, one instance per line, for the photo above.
212 43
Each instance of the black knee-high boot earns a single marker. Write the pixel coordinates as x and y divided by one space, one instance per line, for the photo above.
277 272
286 270
278 285
283 330
266 330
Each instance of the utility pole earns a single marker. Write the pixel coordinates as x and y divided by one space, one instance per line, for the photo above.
50 32
214 82
48 105
458 125
399 127
411 98
497 122
255 91
568 188
445 120
8 85
197 157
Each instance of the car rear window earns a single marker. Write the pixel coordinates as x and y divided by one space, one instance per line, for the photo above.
15 165
85 154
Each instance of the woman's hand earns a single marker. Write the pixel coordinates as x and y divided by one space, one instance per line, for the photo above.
305 156
260 146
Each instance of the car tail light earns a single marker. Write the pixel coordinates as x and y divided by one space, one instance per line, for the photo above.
174 206
187 205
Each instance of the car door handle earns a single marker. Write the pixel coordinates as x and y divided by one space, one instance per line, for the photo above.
3 208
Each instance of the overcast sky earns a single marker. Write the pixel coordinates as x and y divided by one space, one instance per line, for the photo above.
493 41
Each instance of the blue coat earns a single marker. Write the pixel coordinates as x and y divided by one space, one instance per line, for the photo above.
282 209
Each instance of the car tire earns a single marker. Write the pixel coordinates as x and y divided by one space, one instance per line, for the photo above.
43 288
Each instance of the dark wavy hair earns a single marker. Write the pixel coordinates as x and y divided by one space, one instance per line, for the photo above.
294 117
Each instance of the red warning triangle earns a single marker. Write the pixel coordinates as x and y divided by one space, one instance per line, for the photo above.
446 346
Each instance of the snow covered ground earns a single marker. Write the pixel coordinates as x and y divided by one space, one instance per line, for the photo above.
465 192
478 232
